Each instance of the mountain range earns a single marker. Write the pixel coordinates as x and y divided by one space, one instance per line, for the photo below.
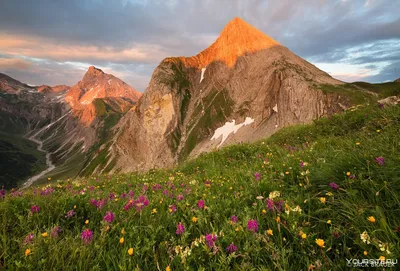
244 87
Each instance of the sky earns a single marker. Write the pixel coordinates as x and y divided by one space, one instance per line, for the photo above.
54 42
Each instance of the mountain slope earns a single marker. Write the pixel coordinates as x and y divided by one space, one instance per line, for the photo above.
244 78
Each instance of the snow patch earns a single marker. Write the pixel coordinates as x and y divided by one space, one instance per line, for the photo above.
275 108
229 128
109 81
203 70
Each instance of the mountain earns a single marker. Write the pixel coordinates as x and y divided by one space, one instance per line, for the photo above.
244 87
57 126
397 80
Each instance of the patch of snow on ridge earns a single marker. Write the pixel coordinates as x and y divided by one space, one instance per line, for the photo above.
229 128
275 108
203 70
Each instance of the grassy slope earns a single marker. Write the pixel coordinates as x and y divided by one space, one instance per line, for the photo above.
20 159
329 149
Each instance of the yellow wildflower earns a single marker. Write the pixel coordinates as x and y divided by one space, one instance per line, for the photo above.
278 219
27 252
304 236
287 172
123 231
87 222
358 143
154 211
74 206
322 199
382 258
194 219
237 229
122 240
44 234
329 221
378 131
365 253
264 211
320 242
130 251
348 173
269 232
371 219
168 268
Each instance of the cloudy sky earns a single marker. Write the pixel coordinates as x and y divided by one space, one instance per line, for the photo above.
54 41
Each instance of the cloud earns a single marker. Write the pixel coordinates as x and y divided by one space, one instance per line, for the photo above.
132 36
14 63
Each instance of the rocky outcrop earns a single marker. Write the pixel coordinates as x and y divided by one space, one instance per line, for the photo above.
54 89
392 100
397 80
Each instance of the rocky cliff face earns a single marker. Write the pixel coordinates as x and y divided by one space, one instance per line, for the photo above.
244 87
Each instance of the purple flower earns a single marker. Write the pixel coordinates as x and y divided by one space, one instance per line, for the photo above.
234 219
279 205
2 193
381 106
165 192
47 191
111 196
270 204
210 240
334 186
17 194
180 228
109 217
29 239
301 164
35 209
200 204
70 213
352 177
172 209
257 176
87 236
231 248
131 194
141 202
157 187
180 197
380 160
56 231
252 225
144 188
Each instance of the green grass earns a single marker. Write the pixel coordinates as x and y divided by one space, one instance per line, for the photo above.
329 150
23 160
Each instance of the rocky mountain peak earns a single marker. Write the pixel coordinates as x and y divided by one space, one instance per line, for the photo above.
93 72
236 39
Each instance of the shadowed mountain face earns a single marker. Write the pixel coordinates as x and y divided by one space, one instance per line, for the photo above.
245 83
63 123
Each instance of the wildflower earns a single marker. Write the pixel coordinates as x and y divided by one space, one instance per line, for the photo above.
301 164
378 131
264 211
2 193
121 240
304 236
287 172
329 194
237 229
320 242
130 251
274 194
70 213
87 236
180 197
168 268
123 231
278 219
56 231
259 197
154 211
335 234
348 173
358 143
371 219
29 238
27 252
269 232
252 225
334 186
86 221
365 253
141 202
200 204
322 199
74 206
44 234
172 209
257 176
329 221
180 228
231 248
210 240
194 219
380 160
365 237
35 209
109 217
234 219
382 258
